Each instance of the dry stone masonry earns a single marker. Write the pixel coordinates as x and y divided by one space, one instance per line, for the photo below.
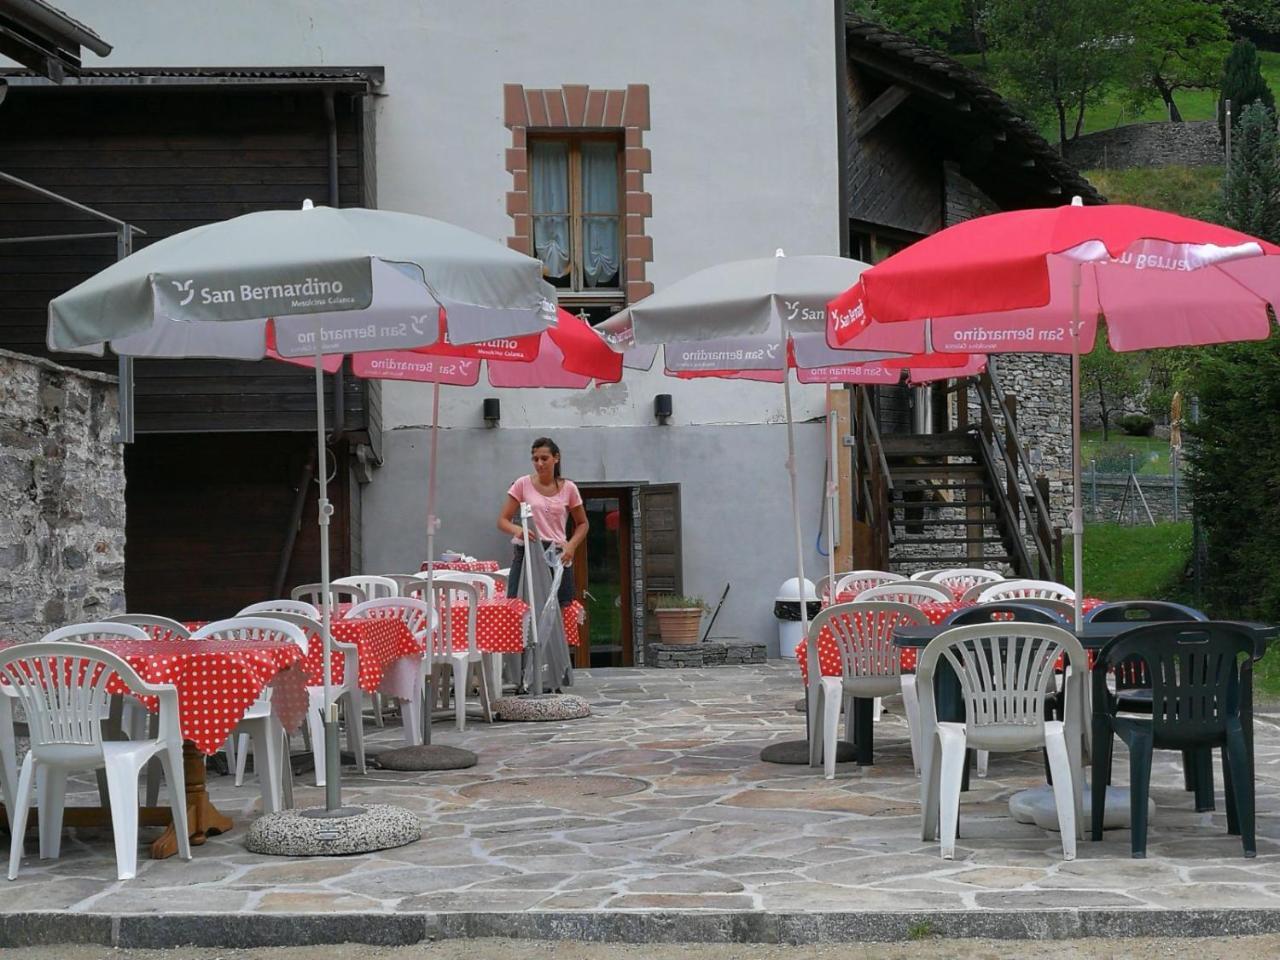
1191 144
62 486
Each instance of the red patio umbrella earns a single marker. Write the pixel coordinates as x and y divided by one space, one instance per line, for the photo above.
1038 281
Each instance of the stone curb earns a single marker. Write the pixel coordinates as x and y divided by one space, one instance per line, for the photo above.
239 930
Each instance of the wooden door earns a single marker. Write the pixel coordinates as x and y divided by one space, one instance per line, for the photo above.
660 548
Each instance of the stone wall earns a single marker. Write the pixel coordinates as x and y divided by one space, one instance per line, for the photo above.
1191 144
62 486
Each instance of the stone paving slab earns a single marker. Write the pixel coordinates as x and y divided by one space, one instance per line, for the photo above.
655 819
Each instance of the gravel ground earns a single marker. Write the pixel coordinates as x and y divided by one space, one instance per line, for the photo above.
1220 948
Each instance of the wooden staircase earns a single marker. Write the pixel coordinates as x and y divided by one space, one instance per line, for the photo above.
966 497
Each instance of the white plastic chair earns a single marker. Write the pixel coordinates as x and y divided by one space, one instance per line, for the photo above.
914 592
418 617
870 664
63 689
483 583
313 593
346 694
962 578
275 775
266 608
925 574
449 593
859 580
1006 674
156 626
1026 590
374 587
404 582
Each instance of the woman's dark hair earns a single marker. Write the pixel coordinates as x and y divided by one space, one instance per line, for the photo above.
550 445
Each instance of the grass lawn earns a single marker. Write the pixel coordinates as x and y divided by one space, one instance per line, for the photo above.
1189 191
1151 454
1111 112
1127 563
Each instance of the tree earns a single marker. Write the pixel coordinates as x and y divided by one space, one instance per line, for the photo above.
1059 56
1111 377
929 21
1251 190
1258 20
1176 45
1242 84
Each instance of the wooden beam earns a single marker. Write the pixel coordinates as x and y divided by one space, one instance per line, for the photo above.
894 68
869 117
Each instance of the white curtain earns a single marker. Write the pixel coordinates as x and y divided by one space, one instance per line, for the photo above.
600 214
549 170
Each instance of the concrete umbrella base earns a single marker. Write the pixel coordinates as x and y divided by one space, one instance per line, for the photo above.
425 756
797 752
550 706
323 833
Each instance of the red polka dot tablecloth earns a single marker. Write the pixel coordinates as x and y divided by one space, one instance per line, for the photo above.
217 681
461 566
829 653
500 624
378 640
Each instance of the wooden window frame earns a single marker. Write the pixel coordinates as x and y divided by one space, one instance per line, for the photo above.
577 289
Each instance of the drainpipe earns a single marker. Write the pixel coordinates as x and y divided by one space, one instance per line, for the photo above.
842 132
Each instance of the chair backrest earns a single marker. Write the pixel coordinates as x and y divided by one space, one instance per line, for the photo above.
501 578
823 586
311 626
1193 669
961 579
253 628
858 580
863 633
404 582
449 595
414 614
925 574
63 689
1026 590
103 631
1009 611
1139 612
156 626
374 587
1006 671
268 607
914 592
483 582
313 593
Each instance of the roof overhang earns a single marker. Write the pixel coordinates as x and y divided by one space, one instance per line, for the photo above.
44 39
352 79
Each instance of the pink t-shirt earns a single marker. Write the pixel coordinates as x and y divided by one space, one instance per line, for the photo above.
550 514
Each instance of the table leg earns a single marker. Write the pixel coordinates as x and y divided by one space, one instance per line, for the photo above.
864 730
203 819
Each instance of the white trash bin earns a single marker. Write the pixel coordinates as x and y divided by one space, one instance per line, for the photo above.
786 609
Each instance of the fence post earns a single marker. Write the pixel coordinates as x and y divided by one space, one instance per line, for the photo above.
1173 462
1093 465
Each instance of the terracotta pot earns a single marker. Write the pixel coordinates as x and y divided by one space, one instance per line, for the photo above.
679 624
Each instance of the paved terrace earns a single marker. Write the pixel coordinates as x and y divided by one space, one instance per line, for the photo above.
655 820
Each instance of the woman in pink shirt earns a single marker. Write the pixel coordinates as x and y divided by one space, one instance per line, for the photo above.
554 500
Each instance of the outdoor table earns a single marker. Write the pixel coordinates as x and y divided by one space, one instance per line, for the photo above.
379 642
460 566
217 682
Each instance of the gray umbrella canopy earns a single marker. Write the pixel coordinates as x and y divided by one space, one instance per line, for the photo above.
370 279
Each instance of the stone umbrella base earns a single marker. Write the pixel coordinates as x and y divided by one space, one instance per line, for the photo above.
550 706
797 752
425 756
321 833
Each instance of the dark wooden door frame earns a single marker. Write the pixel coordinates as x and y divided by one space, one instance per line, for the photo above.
623 494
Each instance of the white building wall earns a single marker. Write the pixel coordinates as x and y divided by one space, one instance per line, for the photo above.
743 141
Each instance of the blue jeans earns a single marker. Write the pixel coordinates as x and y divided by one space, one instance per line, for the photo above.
514 582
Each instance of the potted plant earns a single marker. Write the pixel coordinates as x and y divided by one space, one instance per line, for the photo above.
679 618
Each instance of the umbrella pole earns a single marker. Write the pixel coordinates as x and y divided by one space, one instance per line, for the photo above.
1077 514
833 497
525 510
799 538
333 761
428 692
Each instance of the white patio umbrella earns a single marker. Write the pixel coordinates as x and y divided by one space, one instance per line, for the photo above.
314 281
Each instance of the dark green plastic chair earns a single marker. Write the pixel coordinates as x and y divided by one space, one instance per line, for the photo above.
1200 675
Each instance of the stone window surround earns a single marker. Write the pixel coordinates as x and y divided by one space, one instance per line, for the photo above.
583 108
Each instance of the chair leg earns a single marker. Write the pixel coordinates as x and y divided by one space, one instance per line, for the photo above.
460 694
953 759
1064 789
355 729
21 808
876 710
122 783
930 783
813 720
1203 778
1140 748
1101 776
52 801
1237 756
911 707
286 772
238 754
171 763
984 758
1188 770
315 722
486 702
1229 791
831 702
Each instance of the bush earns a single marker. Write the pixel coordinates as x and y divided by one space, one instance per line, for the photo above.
1137 425
1115 457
